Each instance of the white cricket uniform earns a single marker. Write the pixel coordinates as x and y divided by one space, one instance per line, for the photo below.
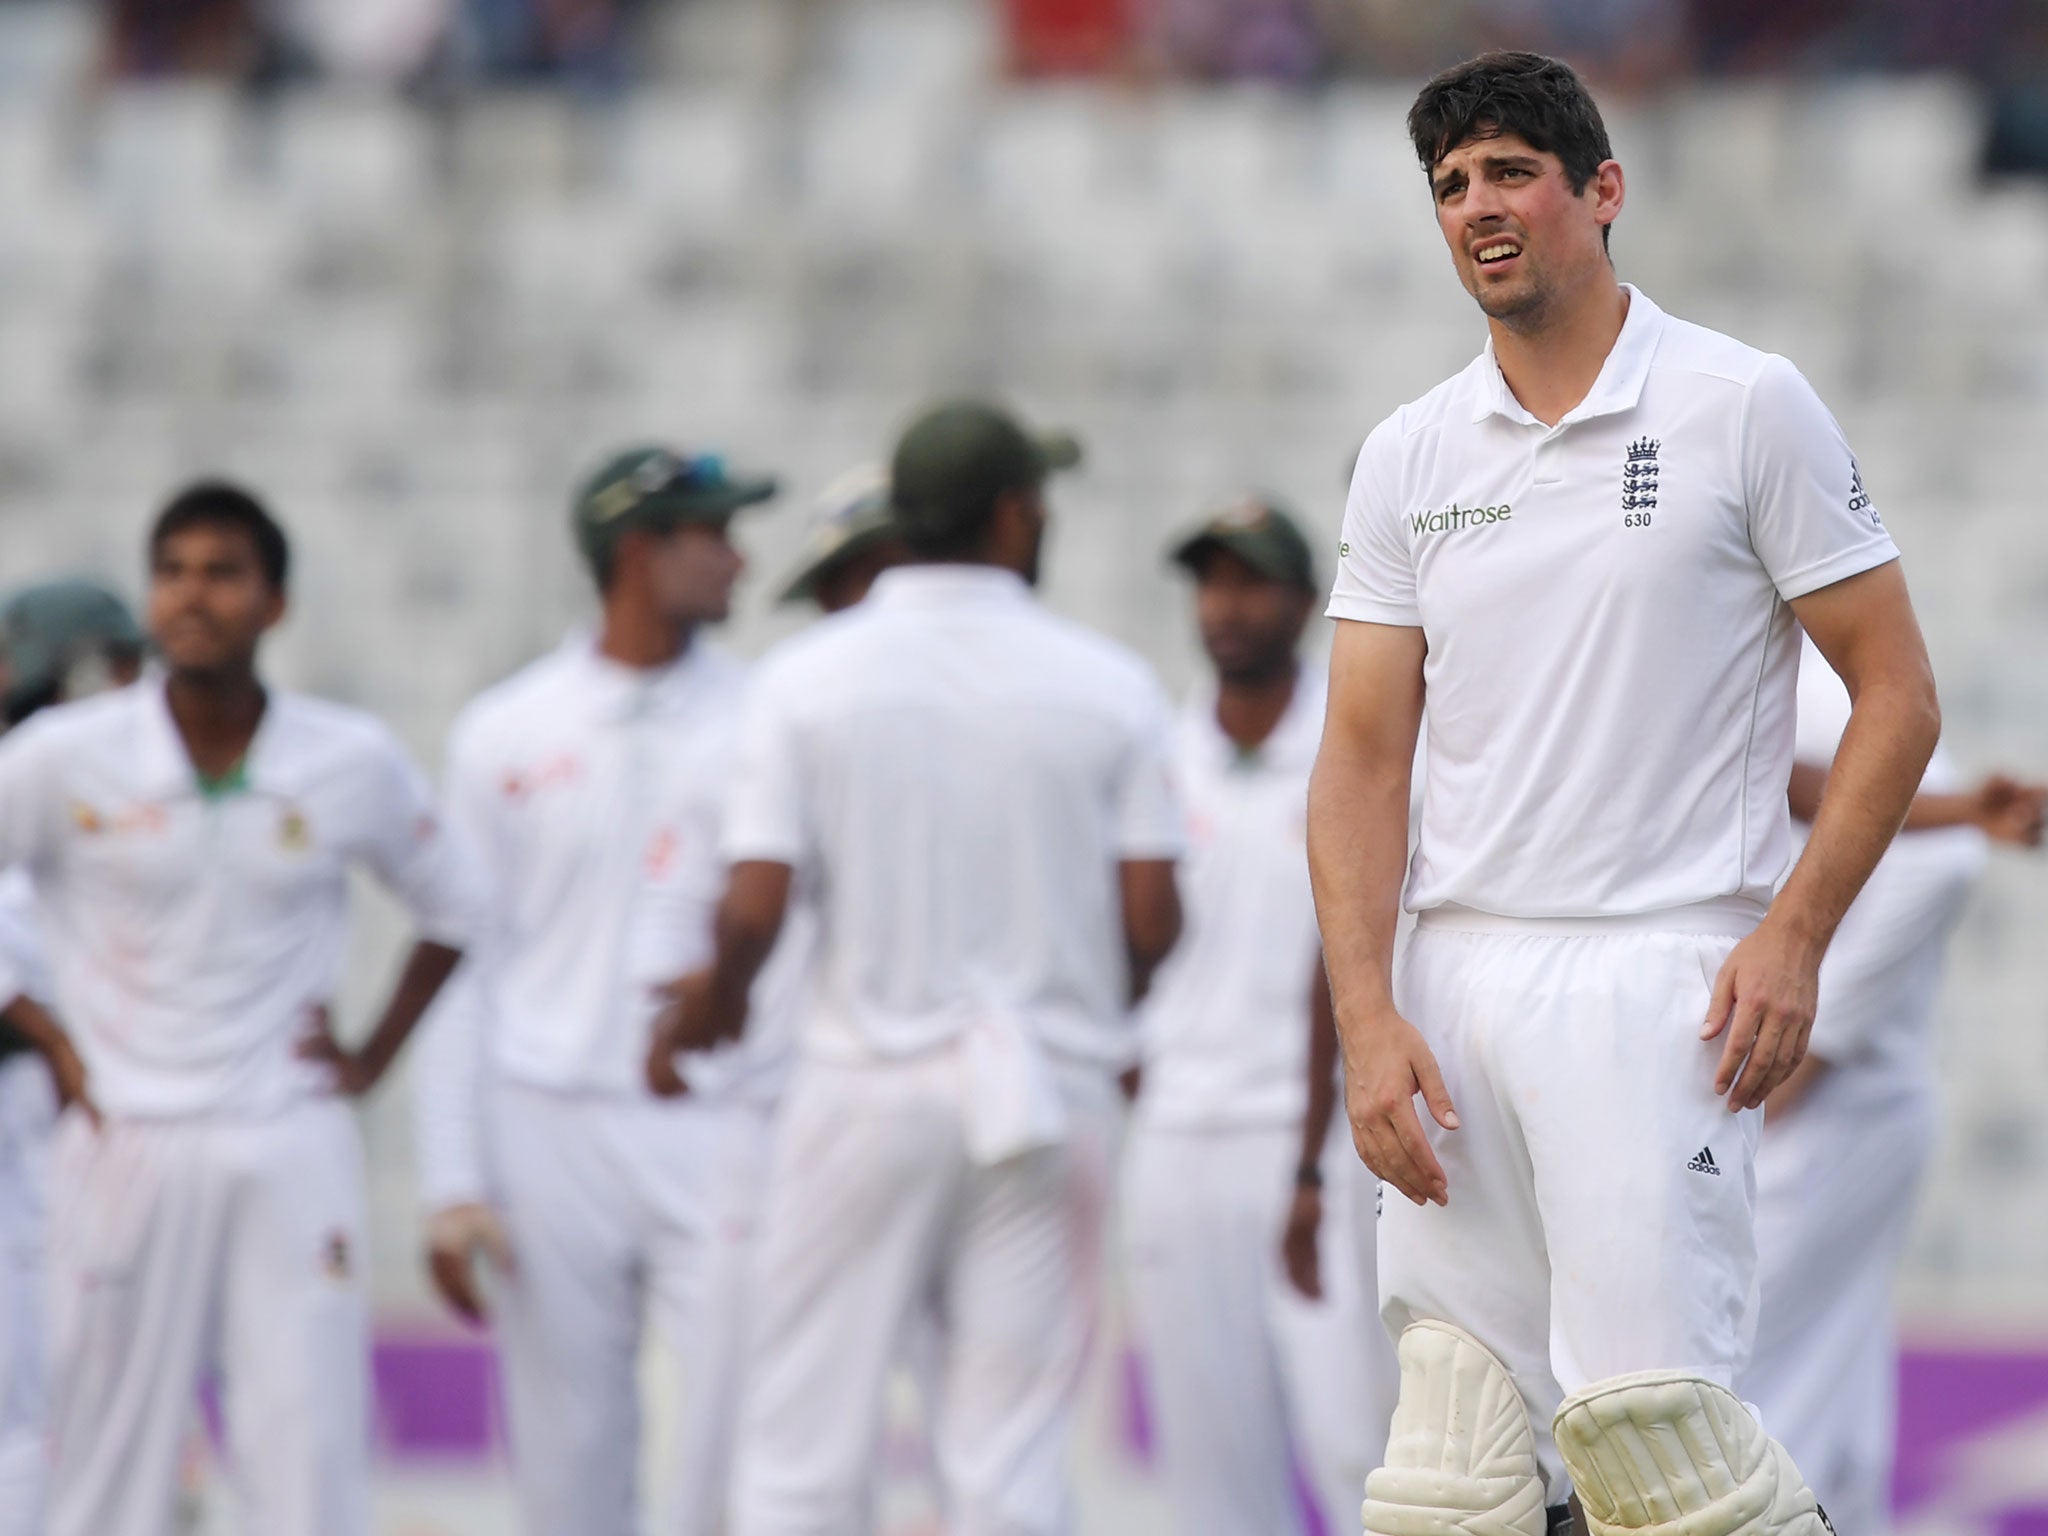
963 772
217 1220
1610 698
1244 1370
28 1111
588 794
1838 1177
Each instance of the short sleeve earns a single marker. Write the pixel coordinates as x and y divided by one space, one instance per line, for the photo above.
1375 569
409 848
1149 822
766 817
1811 522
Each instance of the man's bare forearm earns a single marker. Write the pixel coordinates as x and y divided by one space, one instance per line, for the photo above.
427 969
1358 857
1877 769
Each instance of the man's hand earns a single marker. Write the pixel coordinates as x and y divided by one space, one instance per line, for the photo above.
351 1073
2009 811
693 1017
455 1237
68 1073
1764 998
1298 1242
47 1038
1394 1063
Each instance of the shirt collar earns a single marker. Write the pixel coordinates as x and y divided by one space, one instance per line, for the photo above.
1618 387
947 586
616 691
1295 735
163 768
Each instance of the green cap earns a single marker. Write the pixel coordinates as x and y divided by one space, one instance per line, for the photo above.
48 628
851 517
954 461
656 488
1261 534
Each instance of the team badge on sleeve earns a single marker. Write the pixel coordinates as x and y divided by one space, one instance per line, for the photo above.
293 835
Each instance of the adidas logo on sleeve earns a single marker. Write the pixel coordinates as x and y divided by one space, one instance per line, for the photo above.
1704 1163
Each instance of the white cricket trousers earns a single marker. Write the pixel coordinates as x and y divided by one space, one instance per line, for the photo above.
1602 1200
620 1209
27 1113
180 1245
875 1214
1244 1371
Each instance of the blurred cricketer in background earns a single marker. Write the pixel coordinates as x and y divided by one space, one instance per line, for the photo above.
853 539
1849 1133
60 641
983 790
586 790
1589 555
1250 1352
189 841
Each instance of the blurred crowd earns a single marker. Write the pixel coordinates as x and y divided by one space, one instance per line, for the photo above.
572 41
595 42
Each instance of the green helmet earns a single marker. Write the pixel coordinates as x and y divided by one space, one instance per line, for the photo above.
51 630
656 488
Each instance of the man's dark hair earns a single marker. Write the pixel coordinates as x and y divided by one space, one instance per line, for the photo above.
220 504
1540 100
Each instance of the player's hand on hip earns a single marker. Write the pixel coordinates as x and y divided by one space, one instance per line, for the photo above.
1298 1243
677 1028
1391 1064
350 1073
74 1090
1763 1000
456 1237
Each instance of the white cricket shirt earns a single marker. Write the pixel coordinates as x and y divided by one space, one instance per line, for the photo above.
1225 1025
962 772
190 935
1611 668
588 795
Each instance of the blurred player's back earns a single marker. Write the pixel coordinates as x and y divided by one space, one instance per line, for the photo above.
972 738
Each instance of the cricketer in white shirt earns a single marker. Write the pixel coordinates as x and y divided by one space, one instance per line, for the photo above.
978 787
1609 681
588 795
217 1218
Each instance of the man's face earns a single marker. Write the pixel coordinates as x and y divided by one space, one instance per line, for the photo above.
1250 623
1518 233
691 569
209 601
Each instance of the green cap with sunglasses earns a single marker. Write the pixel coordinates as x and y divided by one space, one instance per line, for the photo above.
657 488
